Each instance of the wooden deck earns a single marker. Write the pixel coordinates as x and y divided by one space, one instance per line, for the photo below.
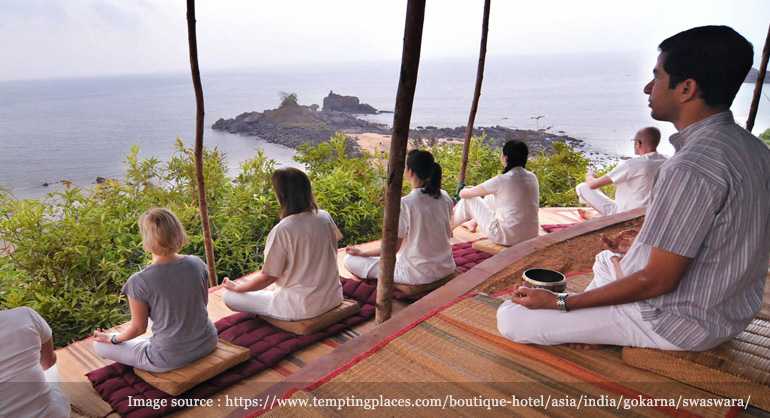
78 358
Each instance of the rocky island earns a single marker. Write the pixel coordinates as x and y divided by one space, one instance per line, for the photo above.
293 124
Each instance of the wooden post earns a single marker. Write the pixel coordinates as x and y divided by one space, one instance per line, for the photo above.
407 82
199 112
758 85
476 94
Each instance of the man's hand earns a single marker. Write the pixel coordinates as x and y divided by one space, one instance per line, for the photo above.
355 251
101 336
534 298
230 285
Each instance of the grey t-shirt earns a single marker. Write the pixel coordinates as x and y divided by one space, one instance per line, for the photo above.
176 294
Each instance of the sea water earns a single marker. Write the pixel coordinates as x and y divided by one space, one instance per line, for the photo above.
78 129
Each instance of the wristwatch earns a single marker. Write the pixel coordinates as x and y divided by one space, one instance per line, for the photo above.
114 339
561 301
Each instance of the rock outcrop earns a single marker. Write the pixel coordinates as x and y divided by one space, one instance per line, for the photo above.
293 124
347 104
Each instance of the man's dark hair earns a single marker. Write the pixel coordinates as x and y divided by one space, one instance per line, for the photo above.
716 57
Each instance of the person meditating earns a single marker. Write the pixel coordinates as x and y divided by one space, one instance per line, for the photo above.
633 178
173 292
424 253
28 375
508 212
694 276
299 278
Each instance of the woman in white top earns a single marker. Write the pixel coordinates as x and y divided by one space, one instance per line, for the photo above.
28 375
424 253
507 214
299 278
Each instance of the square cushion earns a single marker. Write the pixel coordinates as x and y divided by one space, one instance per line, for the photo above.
487 246
413 290
309 326
174 382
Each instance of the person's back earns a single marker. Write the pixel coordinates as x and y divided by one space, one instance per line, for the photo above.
517 200
176 294
303 255
723 287
425 223
24 391
634 179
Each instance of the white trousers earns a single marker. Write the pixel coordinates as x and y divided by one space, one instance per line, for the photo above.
596 199
613 325
60 402
131 353
257 302
480 210
363 267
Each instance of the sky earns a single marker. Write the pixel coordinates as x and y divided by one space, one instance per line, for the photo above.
79 38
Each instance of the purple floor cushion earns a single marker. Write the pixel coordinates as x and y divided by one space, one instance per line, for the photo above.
268 346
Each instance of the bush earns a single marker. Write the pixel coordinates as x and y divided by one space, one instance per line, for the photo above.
75 249
765 136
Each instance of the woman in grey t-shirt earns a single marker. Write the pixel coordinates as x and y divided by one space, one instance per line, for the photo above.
173 292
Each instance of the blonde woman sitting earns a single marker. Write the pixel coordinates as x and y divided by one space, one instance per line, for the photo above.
299 278
173 292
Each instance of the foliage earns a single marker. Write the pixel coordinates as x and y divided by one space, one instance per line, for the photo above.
288 99
350 189
765 136
483 162
558 174
74 250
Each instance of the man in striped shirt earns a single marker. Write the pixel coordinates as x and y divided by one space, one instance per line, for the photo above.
694 277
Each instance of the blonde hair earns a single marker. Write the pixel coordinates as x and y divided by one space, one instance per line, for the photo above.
162 233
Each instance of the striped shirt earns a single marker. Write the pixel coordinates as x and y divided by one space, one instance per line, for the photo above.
710 203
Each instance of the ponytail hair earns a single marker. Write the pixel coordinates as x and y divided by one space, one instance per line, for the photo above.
426 169
516 154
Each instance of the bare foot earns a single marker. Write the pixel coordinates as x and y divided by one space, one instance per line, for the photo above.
578 346
470 225
584 215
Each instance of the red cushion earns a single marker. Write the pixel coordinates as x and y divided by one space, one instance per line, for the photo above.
268 345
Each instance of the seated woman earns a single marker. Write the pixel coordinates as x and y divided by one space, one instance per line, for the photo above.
299 278
28 385
424 253
507 214
173 292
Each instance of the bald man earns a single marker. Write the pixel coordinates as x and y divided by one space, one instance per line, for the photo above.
633 179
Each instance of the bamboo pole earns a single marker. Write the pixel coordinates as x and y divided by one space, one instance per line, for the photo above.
199 113
476 95
407 82
759 83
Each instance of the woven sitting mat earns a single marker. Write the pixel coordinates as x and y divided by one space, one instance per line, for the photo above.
457 356
266 343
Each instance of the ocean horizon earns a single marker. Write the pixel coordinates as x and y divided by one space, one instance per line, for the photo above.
80 129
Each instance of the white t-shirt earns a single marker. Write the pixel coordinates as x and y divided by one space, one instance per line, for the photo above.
517 201
634 179
302 252
424 225
24 391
